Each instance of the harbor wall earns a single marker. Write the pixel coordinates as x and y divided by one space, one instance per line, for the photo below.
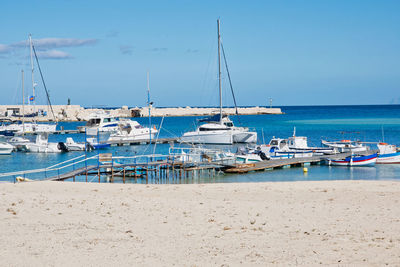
78 113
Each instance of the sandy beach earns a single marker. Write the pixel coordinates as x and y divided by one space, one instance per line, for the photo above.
294 223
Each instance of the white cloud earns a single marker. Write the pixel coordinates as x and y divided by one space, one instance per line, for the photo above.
45 46
126 49
5 48
53 54
48 43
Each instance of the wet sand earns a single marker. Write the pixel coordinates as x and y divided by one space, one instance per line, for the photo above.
285 223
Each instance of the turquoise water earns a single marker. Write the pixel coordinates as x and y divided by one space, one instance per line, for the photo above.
363 123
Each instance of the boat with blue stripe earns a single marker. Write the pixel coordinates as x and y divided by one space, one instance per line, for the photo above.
355 160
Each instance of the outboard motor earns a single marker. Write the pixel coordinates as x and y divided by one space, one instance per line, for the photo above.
263 156
89 147
61 146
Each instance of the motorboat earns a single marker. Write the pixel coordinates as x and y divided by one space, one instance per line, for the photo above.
5 148
129 130
20 127
354 160
346 146
279 149
71 145
95 144
102 122
219 129
42 145
388 154
300 144
19 142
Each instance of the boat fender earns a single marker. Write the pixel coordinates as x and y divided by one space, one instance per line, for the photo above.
61 146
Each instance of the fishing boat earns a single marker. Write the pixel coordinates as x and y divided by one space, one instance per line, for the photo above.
219 129
354 160
388 154
102 122
300 144
129 130
346 146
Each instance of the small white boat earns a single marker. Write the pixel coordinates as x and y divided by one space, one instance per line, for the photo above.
102 122
279 149
299 144
28 127
387 154
19 142
42 145
130 130
71 145
346 146
354 160
5 148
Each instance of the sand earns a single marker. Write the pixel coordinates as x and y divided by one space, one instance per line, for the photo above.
293 223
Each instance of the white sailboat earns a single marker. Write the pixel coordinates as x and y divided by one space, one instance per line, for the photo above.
29 127
219 129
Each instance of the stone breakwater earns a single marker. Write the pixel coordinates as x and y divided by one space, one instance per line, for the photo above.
78 113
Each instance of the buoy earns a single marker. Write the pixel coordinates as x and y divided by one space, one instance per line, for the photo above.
305 169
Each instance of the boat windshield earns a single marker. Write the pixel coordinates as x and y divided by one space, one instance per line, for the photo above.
203 129
109 119
274 142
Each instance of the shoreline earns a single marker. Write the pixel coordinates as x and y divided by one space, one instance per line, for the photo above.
285 223
77 113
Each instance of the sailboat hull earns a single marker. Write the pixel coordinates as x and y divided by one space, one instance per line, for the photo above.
245 137
209 138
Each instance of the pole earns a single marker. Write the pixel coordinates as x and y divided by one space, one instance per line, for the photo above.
23 104
219 74
33 80
148 102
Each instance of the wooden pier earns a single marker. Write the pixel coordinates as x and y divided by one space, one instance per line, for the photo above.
157 170
293 162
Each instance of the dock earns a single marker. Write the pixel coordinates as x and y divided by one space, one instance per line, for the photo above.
293 162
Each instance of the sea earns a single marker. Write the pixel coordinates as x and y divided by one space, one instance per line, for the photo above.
367 123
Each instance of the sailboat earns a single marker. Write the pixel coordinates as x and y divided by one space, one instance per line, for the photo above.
219 129
30 127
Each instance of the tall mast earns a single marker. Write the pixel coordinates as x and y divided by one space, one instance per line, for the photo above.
23 103
149 103
33 80
219 74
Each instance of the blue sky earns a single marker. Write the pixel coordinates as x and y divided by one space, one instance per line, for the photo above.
297 52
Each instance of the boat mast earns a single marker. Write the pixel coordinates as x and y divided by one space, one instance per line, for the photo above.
33 80
23 104
148 102
219 74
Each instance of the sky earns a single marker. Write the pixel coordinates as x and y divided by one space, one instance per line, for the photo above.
98 53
